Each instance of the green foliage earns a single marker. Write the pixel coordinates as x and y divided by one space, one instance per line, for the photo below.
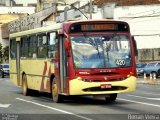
1 53
6 53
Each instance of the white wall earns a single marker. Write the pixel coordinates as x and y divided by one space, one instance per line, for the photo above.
6 10
12 10
145 29
25 2
96 15
4 42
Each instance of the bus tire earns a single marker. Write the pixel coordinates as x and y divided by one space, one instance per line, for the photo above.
57 98
25 89
111 97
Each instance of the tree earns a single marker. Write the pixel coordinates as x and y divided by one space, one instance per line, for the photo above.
1 53
6 53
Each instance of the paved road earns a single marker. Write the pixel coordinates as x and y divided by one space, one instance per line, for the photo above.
142 104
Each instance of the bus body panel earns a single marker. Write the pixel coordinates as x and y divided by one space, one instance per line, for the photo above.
79 87
38 73
70 82
13 72
37 70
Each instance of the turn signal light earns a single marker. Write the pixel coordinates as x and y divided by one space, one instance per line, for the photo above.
130 74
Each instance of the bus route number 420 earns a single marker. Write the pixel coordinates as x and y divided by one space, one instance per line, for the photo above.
120 62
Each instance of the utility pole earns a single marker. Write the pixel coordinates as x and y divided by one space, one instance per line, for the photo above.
90 9
65 13
66 8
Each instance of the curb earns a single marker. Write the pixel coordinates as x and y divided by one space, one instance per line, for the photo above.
150 82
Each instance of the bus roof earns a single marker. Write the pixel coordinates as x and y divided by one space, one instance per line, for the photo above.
101 25
53 27
58 26
100 20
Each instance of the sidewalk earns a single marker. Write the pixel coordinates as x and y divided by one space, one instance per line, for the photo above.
141 80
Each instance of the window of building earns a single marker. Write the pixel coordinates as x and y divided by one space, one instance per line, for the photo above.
2 2
46 5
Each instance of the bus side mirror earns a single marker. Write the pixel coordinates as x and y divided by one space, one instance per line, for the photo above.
135 46
67 44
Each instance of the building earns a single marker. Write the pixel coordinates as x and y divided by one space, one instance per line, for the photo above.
142 15
144 23
7 2
4 19
127 2
11 11
26 2
45 4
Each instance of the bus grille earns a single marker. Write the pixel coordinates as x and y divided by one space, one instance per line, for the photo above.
97 89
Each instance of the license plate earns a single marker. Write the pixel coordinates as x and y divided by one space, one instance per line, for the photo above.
106 86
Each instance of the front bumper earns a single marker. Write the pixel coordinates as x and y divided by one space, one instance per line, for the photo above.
79 87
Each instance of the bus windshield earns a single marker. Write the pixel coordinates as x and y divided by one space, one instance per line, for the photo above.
101 51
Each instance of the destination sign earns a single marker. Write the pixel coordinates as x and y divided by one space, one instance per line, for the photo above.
98 27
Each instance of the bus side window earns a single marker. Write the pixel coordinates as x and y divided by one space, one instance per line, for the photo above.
24 47
51 44
42 45
32 46
13 46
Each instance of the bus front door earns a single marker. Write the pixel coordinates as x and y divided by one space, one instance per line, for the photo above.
62 65
18 61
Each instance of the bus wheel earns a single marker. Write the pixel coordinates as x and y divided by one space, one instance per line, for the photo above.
56 97
111 97
25 89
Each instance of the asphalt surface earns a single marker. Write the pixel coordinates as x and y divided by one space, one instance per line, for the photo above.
144 104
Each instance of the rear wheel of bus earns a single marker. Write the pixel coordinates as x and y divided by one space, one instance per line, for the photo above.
25 89
111 97
55 95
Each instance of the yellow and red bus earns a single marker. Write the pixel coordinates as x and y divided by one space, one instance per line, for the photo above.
91 57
